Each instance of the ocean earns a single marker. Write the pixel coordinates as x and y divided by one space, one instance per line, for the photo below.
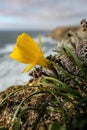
10 70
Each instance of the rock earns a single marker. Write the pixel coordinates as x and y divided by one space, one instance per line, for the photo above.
60 32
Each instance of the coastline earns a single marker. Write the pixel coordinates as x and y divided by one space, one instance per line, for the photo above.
59 33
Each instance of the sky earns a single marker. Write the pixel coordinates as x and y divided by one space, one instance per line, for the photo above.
41 14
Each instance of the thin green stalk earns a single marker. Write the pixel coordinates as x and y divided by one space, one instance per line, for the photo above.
36 92
10 94
19 106
59 92
77 61
73 77
17 125
68 88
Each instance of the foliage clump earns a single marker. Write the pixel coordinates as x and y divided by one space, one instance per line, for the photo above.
54 99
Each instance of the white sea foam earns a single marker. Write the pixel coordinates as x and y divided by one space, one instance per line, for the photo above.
10 74
46 40
7 48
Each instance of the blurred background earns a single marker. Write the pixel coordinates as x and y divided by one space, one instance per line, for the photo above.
35 17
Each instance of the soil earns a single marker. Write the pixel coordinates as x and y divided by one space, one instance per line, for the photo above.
34 109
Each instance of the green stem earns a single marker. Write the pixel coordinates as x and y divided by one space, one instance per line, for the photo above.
13 93
77 62
64 85
36 92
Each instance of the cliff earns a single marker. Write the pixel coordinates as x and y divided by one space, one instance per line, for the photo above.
60 32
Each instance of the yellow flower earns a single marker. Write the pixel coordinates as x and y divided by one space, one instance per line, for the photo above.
27 51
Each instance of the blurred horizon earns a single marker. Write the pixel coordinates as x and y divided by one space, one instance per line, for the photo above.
41 14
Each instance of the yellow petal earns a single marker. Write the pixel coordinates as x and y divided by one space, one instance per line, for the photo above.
18 57
43 61
26 44
21 56
28 68
27 47
28 54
